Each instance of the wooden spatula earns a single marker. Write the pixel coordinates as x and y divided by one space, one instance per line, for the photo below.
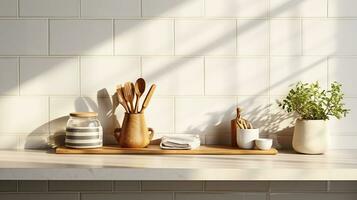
121 99
148 98
129 95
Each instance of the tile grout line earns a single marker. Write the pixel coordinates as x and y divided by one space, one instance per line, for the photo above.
80 75
301 37
49 115
236 38
174 33
327 71
80 9
18 76
141 8
269 55
204 9
204 75
174 113
48 38
141 66
18 9
113 36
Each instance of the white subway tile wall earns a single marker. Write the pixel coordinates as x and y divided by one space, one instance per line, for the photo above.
236 8
342 8
205 37
49 8
24 114
204 115
342 70
24 37
8 8
286 71
44 76
104 73
144 37
81 37
285 37
173 8
252 37
9 81
175 75
110 8
206 56
329 37
161 115
236 76
298 8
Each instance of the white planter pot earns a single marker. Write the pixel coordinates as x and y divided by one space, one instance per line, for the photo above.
310 136
246 138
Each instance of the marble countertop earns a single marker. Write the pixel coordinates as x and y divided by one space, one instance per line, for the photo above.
41 165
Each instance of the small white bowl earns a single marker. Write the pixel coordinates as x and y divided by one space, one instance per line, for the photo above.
264 143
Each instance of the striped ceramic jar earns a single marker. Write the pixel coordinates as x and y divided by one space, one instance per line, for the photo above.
84 131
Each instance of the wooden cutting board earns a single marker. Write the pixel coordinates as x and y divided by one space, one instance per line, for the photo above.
155 149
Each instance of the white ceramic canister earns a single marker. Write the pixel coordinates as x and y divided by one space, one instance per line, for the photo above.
84 131
246 137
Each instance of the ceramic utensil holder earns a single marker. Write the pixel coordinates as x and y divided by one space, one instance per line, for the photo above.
246 138
134 132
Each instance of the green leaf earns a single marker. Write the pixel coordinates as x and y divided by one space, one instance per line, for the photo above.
311 102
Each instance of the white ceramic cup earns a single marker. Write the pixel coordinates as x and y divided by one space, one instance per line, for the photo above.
246 137
264 143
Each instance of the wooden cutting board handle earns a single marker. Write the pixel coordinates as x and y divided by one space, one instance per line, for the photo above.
234 133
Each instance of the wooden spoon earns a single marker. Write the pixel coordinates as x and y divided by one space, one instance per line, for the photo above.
139 91
148 98
129 95
121 98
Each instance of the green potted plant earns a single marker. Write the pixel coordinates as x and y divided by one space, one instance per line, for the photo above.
314 106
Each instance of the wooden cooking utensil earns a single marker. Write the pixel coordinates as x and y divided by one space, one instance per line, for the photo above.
129 95
121 98
125 100
132 87
139 91
148 98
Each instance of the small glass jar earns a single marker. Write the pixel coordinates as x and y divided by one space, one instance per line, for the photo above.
84 130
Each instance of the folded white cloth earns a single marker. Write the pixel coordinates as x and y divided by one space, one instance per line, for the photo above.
180 142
